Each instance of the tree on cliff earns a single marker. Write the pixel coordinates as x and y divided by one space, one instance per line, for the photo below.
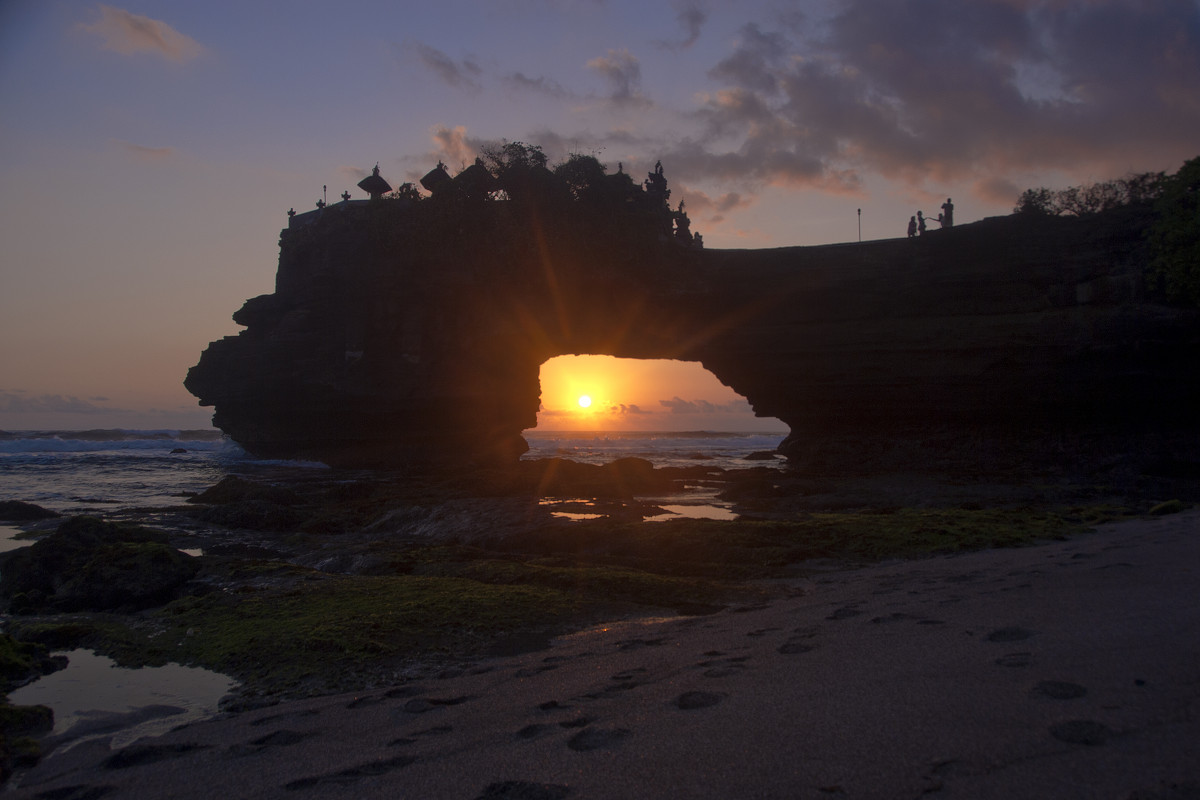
1175 236
1093 198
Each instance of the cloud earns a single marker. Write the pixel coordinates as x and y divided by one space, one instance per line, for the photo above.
678 405
21 403
144 153
691 16
939 90
352 173
714 209
629 409
463 74
623 72
454 147
127 33
539 85
757 62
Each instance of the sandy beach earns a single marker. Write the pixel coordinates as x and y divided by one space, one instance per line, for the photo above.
1066 670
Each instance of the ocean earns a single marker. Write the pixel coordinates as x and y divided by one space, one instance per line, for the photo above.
89 472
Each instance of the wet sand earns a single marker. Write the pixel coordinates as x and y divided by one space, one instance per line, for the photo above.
1065 670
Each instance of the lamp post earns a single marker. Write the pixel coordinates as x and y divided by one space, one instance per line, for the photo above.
860 225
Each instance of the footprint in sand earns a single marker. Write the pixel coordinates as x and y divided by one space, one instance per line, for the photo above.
533 731
351 774
762 632
722 667
529 672
1012 634
524 790
598 739
308 712
419 705
635 644
1060 690
137 755
578 722
1082 731
690 701
281 738
1015 660
363 702
800 641
844 613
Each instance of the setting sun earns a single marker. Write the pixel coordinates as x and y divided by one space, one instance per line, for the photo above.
584 401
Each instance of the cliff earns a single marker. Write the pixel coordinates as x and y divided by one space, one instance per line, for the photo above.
411 334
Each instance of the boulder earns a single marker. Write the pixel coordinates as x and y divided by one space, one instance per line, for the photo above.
19 511
92 565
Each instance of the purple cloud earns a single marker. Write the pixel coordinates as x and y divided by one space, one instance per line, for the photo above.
127 33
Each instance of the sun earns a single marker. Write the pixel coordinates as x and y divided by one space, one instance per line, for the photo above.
584 401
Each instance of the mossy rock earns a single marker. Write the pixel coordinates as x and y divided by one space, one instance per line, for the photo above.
21 661
18 726
1169 507
90 564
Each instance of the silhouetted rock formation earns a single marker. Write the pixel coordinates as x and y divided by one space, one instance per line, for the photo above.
412 333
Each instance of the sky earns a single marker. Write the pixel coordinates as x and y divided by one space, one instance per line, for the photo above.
149 151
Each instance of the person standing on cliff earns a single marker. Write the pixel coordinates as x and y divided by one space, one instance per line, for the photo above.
947 214
920 223
912 227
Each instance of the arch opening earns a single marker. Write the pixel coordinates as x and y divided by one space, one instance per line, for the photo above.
597 407
606 393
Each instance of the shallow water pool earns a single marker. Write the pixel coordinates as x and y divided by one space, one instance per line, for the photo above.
93 697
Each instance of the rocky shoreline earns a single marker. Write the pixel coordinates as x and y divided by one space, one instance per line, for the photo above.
329 585
1063 669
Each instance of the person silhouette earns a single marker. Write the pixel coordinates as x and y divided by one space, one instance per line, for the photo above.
947 213
920 223
912 227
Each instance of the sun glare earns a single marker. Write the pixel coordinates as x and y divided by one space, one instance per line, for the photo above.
584 401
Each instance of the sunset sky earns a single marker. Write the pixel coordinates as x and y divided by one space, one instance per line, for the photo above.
149 152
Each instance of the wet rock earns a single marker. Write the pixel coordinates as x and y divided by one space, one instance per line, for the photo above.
232 489
18 511
92 565
254 515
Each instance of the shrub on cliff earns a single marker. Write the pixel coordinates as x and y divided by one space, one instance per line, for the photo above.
1175 237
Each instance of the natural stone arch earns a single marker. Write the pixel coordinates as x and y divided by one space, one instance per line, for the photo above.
411 334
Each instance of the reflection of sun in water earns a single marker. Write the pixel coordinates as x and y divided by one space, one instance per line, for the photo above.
584 401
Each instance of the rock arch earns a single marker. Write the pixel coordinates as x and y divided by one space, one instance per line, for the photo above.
405 334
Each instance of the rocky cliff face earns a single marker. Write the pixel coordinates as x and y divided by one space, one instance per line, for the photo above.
413 334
